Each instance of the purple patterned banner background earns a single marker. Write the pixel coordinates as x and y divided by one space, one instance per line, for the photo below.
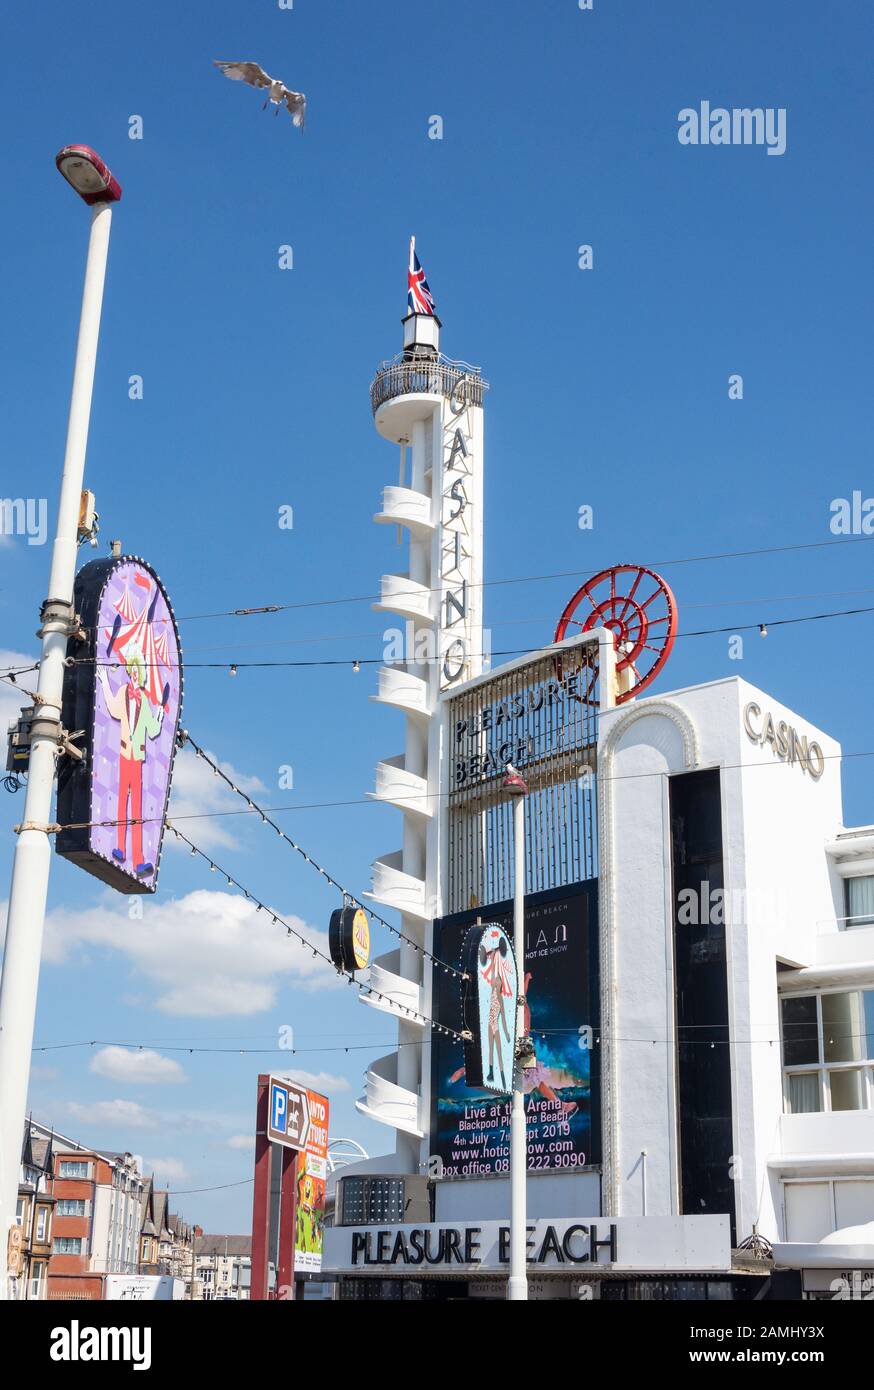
136 711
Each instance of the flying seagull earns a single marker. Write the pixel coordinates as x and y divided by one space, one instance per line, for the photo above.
277 92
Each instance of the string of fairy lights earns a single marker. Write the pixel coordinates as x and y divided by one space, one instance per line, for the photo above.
599 1035
273 608
233 668
218 771
279 920
11 674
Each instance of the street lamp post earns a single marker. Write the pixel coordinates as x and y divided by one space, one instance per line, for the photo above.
91 179
517 1285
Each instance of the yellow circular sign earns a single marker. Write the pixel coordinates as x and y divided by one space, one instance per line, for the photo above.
361 939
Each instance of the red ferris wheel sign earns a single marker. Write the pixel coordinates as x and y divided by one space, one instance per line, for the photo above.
639 608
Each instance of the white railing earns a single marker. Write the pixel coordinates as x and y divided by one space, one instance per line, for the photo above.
847 923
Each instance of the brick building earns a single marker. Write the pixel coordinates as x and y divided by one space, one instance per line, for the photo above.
83 1214
29 1257
97 1218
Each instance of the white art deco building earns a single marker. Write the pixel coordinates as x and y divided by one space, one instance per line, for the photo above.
699 940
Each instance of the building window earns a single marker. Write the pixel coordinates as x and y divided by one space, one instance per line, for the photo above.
73 1169
804 1092
860 901
19 1212
828 1051
372 1201
42 1222
67 1245
71 1206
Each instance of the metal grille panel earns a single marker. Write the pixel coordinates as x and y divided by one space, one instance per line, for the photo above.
543 718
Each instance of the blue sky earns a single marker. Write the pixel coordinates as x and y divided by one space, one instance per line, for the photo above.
609 389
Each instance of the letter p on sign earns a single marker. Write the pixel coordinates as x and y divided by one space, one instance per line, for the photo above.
278 1106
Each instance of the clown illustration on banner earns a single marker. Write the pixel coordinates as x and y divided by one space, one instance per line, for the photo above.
135 706
124 689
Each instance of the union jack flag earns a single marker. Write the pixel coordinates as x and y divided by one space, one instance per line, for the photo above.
419 297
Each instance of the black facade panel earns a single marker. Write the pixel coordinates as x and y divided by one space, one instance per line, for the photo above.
702 1023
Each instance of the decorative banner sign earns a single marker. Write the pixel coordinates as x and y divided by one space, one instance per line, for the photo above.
311 1175
488 1006
125 693
349 939
470 1129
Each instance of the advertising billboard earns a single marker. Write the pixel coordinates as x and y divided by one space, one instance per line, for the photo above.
123 691
311 1176
489 1008
470 1126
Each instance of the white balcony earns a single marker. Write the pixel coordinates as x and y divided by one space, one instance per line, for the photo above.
401 506
829 1142
397 994
853 851
405 790
394 888
400 594
402 690
386 1101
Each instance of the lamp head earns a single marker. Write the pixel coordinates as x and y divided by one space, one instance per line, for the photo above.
86 172
514 782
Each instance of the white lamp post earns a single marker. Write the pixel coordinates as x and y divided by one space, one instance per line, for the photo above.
517 1285
89 176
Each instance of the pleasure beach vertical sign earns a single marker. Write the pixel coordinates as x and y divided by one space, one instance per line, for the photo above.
460 564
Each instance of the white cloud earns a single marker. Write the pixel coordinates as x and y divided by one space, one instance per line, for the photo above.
207 954
12 697
39 1073
240 1141
197 790
141 1068
119 1115
166 1170
323 1081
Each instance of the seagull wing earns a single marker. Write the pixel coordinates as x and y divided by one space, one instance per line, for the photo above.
252 73
297 105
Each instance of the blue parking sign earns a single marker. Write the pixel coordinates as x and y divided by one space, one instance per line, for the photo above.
278 1108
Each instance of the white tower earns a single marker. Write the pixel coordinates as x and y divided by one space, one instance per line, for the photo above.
432 408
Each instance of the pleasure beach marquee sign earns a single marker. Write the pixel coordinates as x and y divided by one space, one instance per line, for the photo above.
554 1246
